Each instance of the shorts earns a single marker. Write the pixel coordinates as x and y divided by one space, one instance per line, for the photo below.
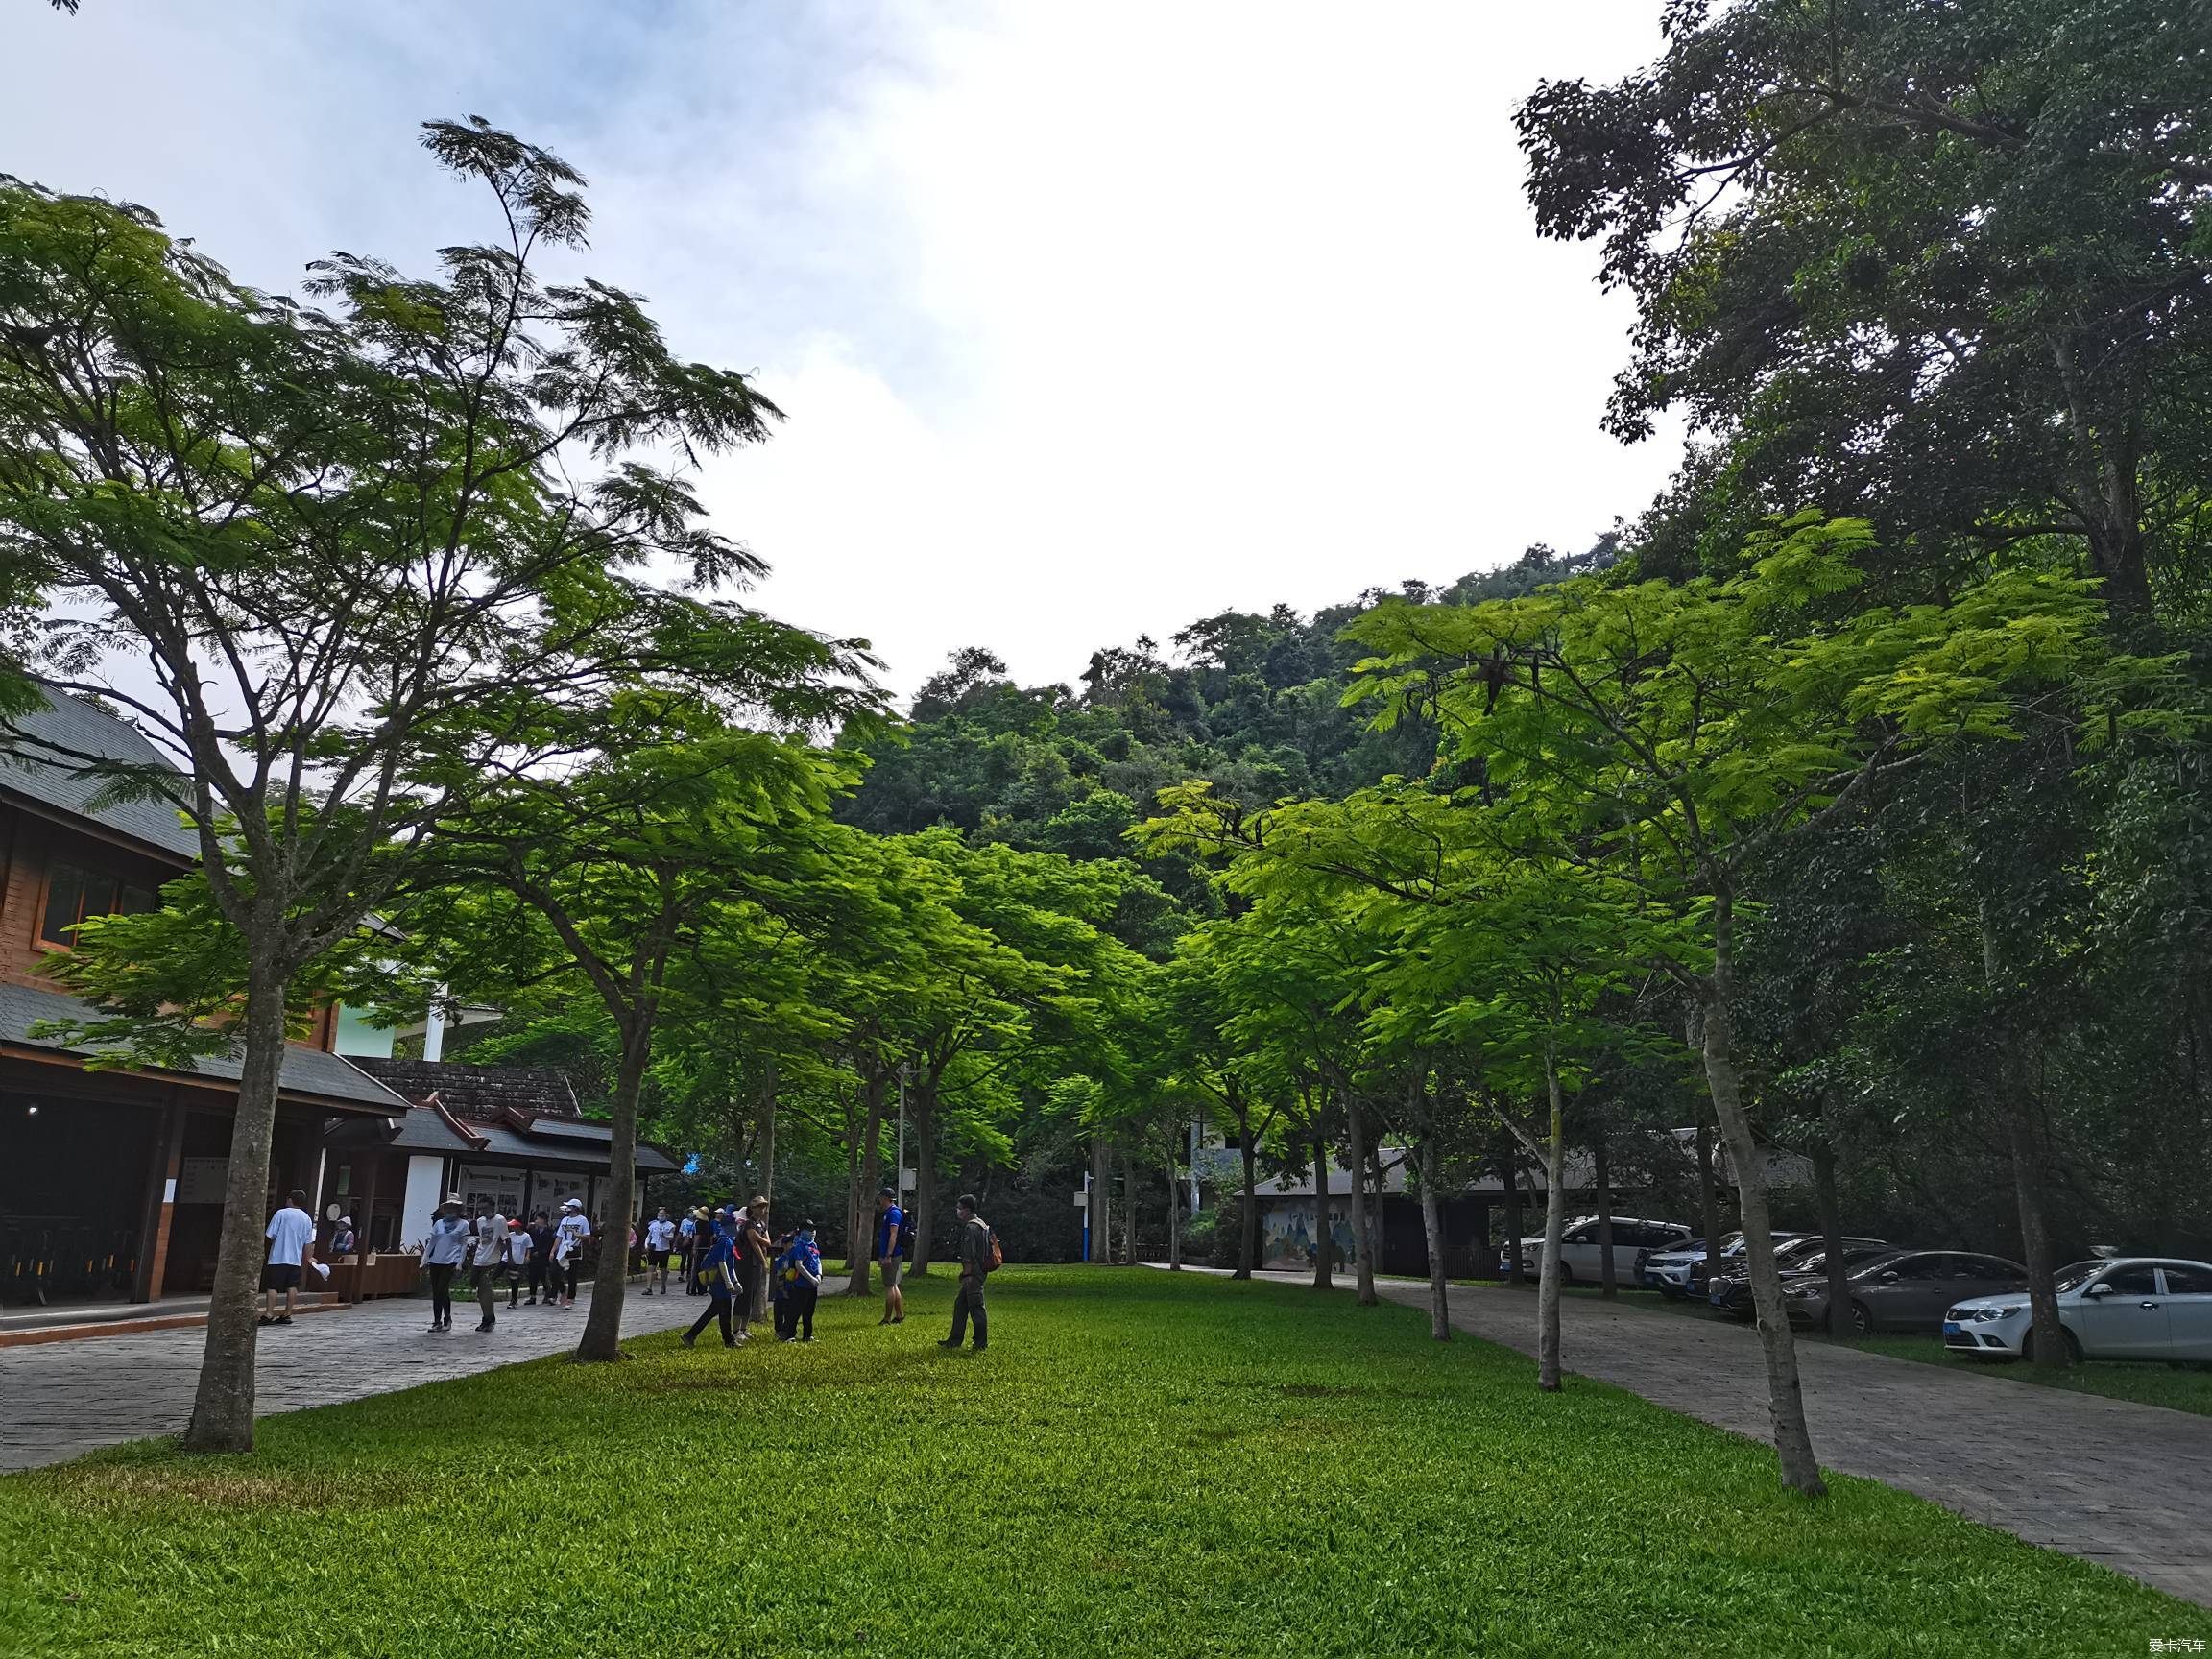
280 1275
890 1269
658 1259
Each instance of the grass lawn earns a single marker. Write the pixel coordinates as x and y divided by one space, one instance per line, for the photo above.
2147 1382
1142 1464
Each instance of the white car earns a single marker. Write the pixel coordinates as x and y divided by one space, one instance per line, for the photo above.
2134 1308
1580 1258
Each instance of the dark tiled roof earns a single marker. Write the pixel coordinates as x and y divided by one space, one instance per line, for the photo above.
421 1130
77 728
478 1092
311 1071
504 1144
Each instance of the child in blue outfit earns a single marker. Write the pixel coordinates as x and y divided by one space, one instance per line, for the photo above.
718 1278
797 1286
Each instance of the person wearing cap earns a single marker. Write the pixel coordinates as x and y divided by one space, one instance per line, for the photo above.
443 1254
568 1235
717 1280
342 1240
797 1286
517 1260
486 1259
890 1248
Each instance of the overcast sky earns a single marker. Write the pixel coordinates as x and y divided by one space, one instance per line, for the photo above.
1089 319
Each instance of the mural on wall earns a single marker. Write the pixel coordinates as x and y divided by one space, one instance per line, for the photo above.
1287 1236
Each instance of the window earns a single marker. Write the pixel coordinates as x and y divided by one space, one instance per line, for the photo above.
1927 1267
74 893
2132 1282
2182 1280
1988 1267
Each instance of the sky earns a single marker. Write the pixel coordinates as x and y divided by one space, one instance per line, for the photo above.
1089 320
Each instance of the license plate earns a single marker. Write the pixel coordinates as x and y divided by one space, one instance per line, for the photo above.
1951 1327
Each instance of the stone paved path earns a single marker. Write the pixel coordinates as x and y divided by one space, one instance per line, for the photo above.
61 1399
2124 1484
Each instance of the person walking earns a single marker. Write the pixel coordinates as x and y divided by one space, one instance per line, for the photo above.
290 1236
978 1255
799 1286
442 1255
890 1254
717 1282
568 1235
486 1262
541 1262
690 1242
517 1260
660 1240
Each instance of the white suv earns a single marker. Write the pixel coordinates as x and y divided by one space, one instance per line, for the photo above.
1579 1253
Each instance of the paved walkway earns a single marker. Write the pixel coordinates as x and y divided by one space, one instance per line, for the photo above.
61 1398
2124 1484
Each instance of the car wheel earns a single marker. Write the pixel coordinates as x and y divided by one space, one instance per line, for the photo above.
1565 1274
1861 1319
2073 1346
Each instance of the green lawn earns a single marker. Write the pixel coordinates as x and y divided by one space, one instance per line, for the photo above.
1140 1465
2147 1382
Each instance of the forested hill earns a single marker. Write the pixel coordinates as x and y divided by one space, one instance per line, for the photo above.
1249 701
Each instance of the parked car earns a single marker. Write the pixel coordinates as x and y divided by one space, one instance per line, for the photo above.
1580 1253
1731 1293
1907 1289
2137 1308
1681 1271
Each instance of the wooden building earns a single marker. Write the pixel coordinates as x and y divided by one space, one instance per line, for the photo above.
112 1183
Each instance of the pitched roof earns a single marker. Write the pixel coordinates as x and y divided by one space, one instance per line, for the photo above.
326 1077
76 727
482 1094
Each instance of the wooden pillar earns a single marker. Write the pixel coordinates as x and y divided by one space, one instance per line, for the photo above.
160 1206
368 1221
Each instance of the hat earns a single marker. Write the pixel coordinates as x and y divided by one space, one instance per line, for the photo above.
515 1225
571 1203
451 1199
344 1221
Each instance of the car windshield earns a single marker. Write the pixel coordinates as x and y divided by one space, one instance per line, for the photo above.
1880 1259
2074 1277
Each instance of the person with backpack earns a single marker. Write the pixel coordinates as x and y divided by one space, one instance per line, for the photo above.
797 1286
718 1280
980 1255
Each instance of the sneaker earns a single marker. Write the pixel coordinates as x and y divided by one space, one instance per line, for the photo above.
264 1320
690 1339
531 1302
283 1319
948 1343
485 1325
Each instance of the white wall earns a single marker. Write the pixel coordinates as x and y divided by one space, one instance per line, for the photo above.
425 1177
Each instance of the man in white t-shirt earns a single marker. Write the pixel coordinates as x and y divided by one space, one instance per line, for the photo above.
659 1240
486 1258
290 1236
568 1235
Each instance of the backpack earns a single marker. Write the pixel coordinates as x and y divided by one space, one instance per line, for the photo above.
998 1256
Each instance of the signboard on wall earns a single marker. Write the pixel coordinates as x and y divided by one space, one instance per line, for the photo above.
494 1183
202 1180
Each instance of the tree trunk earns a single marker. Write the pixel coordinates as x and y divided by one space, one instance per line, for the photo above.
1248 1227
853 1220
223 1407
1708 1197
1129 1210
1175 1219
1323 1279
1831 1236
1554 1231
2049 1337
1362 1246
1432 1232
768 1138
1101 1205
871 1179
1785 1395
602 1339
1514 1222
922 1119
1608 1281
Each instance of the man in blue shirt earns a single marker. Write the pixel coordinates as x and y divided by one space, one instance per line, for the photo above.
890 1242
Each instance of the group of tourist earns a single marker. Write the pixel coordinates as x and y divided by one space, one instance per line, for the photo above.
734 1257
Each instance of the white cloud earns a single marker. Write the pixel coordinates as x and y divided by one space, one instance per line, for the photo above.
1090 320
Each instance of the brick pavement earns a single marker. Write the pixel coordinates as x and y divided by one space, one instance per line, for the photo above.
2109 1481
61 1398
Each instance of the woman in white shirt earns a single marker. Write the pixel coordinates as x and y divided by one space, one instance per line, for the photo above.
659 1240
